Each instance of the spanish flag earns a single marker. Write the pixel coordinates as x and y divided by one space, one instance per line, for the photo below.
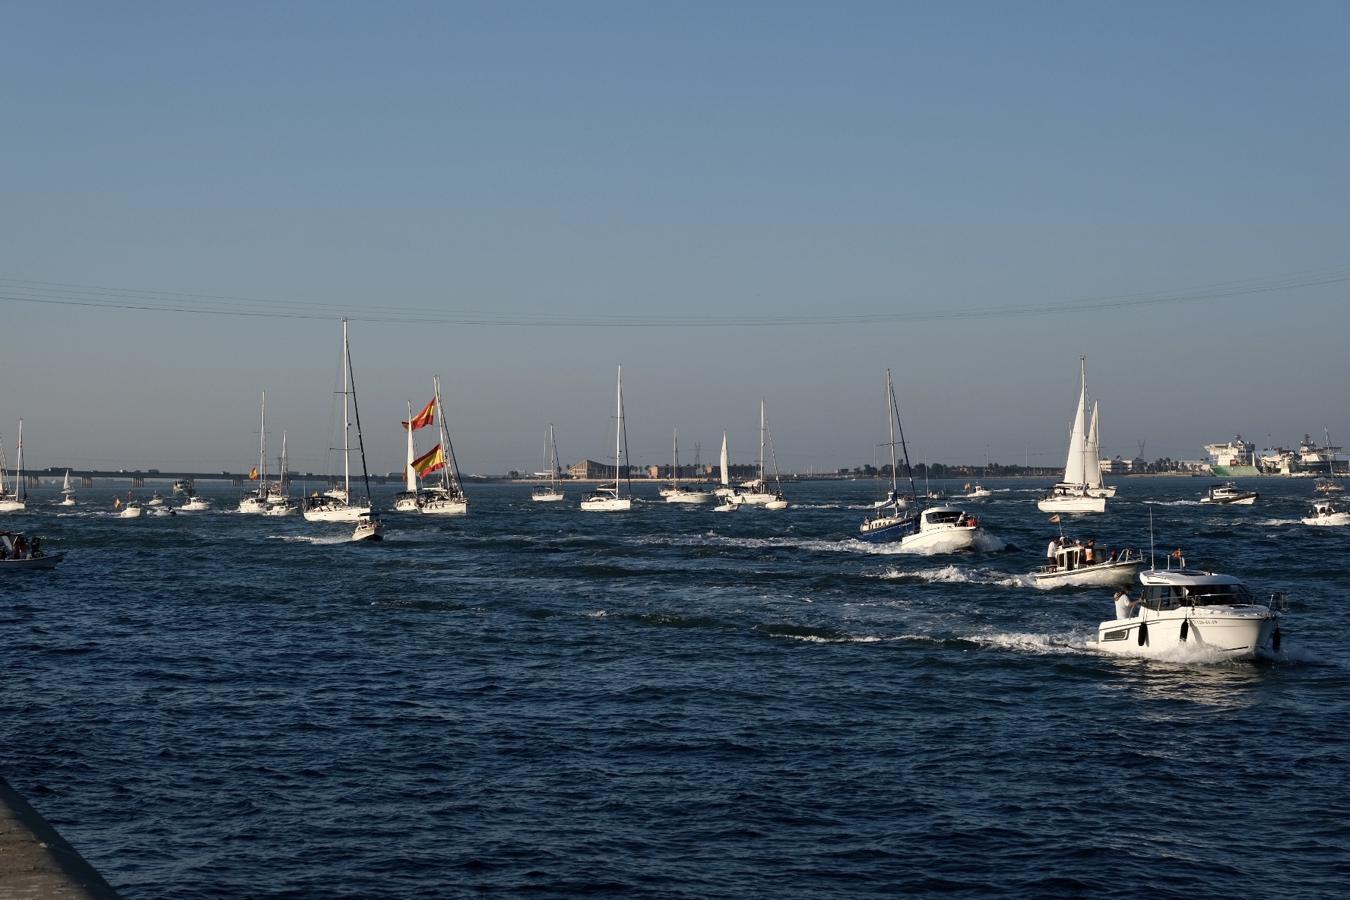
430 461
422 419
253 474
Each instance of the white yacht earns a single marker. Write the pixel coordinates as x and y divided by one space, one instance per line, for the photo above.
610 497
194 503
131 509
677 492
335 504
445 495
1187 610
1081 490
256 503
1324 512
551 492
16 499
757 491
1082 565
1327 486
1229 495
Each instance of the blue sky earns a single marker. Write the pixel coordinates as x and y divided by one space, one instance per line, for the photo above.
710 160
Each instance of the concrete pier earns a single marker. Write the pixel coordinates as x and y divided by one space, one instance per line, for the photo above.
36 862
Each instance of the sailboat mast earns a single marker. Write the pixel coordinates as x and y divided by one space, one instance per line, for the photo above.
349 378
619 435
890 421
449 473
262 448
552 458
761 444
281 476
675 458
18 476
900 427
1082 402
346 426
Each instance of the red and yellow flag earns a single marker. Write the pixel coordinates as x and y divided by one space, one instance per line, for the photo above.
431 461
253 474
424 418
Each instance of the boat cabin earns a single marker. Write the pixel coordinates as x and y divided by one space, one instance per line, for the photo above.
946 515
1193 589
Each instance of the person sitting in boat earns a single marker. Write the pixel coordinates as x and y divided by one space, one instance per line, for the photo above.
21 547
1090 552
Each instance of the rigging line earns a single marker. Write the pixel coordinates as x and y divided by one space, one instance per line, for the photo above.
582 321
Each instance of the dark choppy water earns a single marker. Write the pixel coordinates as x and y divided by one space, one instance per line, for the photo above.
669 703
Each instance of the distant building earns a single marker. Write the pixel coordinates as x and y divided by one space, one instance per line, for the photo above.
1115 466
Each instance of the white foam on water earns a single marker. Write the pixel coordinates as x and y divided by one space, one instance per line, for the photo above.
1273 523
838 639
311 539
1176 503
953 574
1028 642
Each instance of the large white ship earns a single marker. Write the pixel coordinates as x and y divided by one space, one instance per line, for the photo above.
1235 459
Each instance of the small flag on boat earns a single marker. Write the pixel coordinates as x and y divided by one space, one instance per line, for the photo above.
1055 519
422 419
253 474
117 503
430 461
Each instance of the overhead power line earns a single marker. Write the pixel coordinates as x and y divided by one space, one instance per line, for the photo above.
52 293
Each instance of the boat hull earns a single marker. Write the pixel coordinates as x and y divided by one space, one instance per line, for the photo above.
548 497
1335 519
46 561
1072 504
12 506
944 539
689 497
336 513
443 507
607 504
1232 632
1107 574
1240 501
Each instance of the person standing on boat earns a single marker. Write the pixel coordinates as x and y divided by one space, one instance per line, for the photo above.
1125 607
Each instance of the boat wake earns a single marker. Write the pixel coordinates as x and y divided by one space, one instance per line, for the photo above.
1275 523
1175 503
1026 642
955 575
311 539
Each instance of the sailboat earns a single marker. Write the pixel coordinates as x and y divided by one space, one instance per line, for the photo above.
1092 468
13 500
725 489
759 493
279 502
334 505
257 502
446 498
549 493
1072 493
933 529
67 492
678 493
406 499
609 497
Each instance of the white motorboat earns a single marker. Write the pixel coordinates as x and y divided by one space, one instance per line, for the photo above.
131 509
1327 486
611 497
1229 495
280 506
16 499
1081 490
726 506
757 492
677 492
156 499
551 492
1083 565
67 492
183 486
19 552
1326 513
194 503
447 497
1183 611
977 492
335 504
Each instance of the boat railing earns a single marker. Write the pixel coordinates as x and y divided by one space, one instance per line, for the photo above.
1279 601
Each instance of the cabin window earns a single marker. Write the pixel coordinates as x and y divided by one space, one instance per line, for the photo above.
1119 634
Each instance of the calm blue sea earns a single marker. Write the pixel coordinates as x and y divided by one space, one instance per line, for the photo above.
669 703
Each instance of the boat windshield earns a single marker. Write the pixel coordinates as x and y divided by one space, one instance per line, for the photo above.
1162 597
944 517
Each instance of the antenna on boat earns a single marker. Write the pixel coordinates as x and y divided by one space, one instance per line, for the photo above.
1152 563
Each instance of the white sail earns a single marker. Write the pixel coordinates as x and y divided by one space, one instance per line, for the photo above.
1092 470
1074 465
65 484
724 463
409 473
